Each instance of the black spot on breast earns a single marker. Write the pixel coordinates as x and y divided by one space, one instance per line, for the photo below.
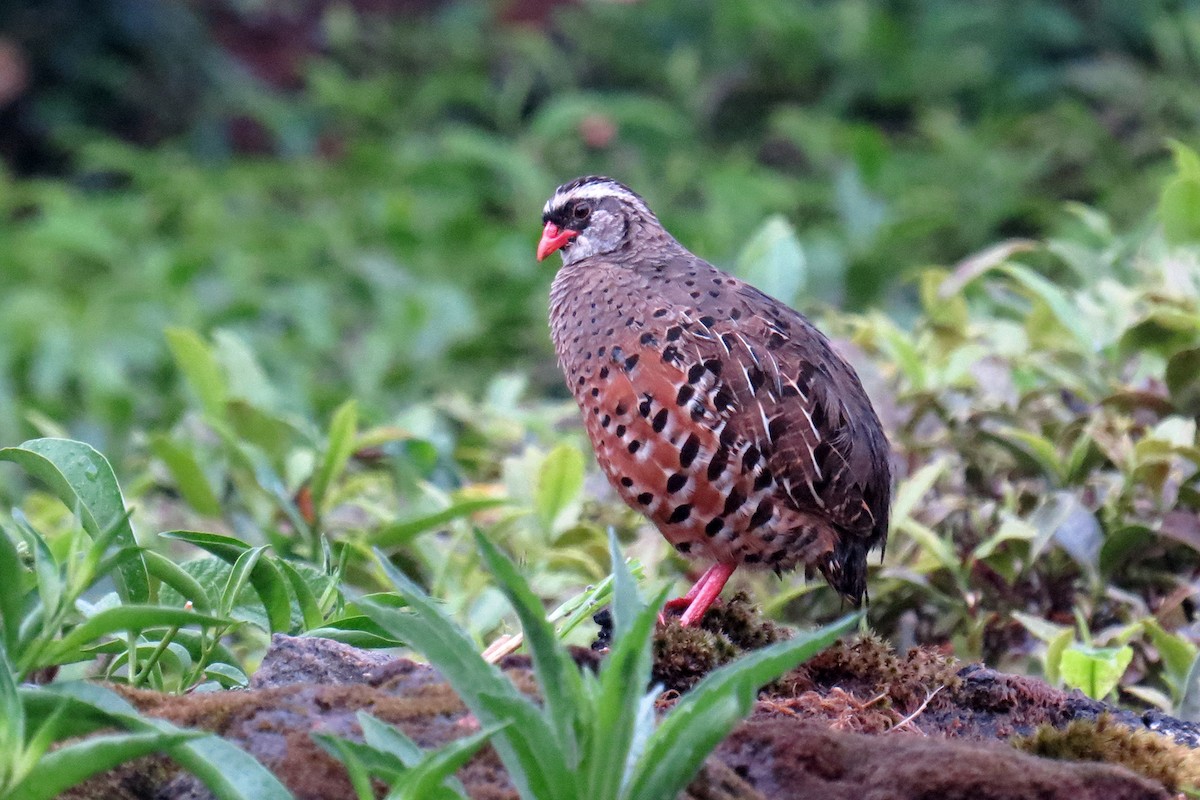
644 407
600 352
621 409
634 446
717 464
670 354
750 458
645 498
595 391
674 332
626 481
707 321
764 479
714 526
697 412
604 373
659 312
579 382
713 365
631 362
735 313
681 512
775 341
647 338
660 420
687 453
683 547
777 428
686 393
762 515
733 502
751 558
620 431
723 399
695 373
757 378
605 420
728 436
676 482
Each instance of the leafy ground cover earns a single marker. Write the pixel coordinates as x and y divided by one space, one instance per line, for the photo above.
294 367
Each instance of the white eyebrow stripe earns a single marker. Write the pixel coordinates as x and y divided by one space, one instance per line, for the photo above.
594 191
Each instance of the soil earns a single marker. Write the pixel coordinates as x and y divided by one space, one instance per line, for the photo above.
857 721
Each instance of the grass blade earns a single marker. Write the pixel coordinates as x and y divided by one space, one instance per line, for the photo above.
706 714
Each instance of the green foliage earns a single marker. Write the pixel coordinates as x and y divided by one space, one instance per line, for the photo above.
389 755
595 735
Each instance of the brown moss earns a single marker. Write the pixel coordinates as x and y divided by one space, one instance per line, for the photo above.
683 656
1156 757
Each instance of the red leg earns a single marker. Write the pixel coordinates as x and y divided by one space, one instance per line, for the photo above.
681 603
706 591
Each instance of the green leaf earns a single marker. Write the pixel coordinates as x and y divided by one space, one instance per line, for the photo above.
1183 380
537 769
338 449
1054 652
557 674
773 260
1179 210
120 619
354 758
705 715
264 577
559 482
401 533
310 609
60 770
178 579
436 767
199 366
1176 652
238 577
1095 670
83 480
12 599
189 476
229 772
357 630
1056 300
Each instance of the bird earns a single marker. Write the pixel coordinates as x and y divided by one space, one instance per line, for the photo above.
721 414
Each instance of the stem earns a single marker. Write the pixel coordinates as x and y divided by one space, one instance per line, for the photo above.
154 656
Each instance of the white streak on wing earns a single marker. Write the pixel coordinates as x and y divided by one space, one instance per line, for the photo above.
765 422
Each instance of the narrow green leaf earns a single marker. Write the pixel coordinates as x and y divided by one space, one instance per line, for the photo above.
239 576
557 674
356 630
349 754
12 714
310 609
705 715
84 481
389 739
189 476
12 599
60 770
338 449
229 772
1063 309
481 686
436 767
401 533
119 619
178 579
199 366
265 577
627 602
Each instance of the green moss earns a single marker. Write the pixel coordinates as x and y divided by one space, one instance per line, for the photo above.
1149 754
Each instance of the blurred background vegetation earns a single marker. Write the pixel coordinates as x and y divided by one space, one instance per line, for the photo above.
222 219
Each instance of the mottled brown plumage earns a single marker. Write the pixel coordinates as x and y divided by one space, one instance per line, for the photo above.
717 411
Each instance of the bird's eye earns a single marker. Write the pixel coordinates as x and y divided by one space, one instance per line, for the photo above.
582 212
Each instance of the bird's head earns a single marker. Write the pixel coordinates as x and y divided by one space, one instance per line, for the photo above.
591 216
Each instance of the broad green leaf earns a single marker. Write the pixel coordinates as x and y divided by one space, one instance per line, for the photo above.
83 480
389 739
559 482
1179 210
339 446
238 577
1176 652
264 577
401 533
199 366
120 619
189 476
1189 703
914 488
356 630
60 770
773 260
706 714
310 609
1094 670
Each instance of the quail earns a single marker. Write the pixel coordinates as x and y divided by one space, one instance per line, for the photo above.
717 411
